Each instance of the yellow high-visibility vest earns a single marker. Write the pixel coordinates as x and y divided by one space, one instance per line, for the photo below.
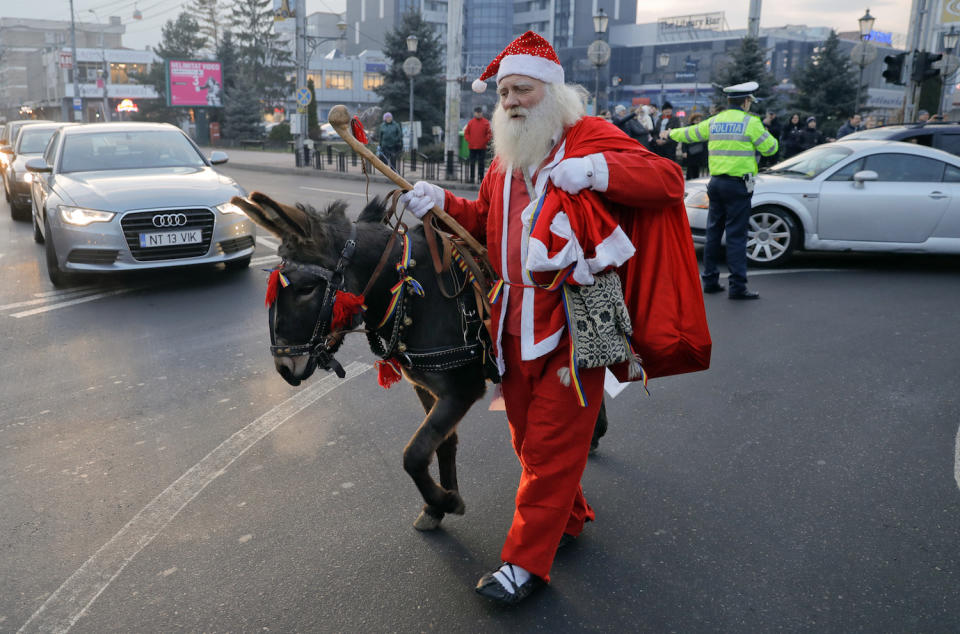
734 138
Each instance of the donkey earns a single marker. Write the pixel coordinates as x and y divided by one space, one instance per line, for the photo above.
436 338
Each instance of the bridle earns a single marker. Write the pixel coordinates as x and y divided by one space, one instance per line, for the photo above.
320 346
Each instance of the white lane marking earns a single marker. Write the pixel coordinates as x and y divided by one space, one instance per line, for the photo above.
72 599
72 302
264 260
66 291
786 271
44 300
268 242
332 191
956 460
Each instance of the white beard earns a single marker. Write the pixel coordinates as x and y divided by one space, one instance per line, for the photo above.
526 141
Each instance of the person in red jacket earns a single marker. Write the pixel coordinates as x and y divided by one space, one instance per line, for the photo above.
544 143
478 136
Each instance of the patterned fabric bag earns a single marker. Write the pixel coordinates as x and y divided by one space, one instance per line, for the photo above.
599 322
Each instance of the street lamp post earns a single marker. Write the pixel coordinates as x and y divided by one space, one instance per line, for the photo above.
950 40
598 53
106 68
412 68
866 27
663 60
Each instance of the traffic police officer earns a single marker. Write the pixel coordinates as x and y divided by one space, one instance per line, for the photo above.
735 136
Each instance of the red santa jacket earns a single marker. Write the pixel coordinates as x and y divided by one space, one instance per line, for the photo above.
477 133
661 285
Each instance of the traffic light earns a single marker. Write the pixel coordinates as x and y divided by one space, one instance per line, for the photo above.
894 70
923 65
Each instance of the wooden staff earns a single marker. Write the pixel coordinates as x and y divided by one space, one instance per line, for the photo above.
339 118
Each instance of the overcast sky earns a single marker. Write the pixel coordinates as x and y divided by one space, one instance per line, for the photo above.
892 15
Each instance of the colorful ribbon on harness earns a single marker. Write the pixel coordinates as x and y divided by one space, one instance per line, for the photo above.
396 293
274 282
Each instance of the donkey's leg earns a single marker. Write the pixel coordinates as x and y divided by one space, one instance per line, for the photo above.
439 424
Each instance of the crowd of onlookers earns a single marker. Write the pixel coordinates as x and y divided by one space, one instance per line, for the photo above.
644 123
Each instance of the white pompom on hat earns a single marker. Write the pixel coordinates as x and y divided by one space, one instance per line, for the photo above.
529 55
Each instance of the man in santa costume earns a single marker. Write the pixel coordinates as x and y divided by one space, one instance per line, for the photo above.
543 144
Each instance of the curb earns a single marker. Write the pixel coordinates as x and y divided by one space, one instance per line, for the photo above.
376 177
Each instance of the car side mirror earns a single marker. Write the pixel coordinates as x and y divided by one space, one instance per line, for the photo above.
863 176
218 158
38 165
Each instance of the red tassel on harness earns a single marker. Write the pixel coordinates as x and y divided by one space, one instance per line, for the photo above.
388 372
273 287
357 128
345 308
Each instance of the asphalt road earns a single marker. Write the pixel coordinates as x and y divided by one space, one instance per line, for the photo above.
157 475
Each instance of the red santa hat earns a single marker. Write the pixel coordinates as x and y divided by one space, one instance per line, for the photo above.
529 55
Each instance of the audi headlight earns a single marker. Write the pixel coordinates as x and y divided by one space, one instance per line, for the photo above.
229 208
82 217
698 199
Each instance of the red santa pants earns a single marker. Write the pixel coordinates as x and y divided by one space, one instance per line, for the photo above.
551 435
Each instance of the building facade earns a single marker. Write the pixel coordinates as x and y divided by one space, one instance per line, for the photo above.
37 66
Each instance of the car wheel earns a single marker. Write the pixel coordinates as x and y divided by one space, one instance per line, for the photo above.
17 211
238 265
772 236
37 234
54 272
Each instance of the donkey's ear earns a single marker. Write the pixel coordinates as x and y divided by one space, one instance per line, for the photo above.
257 215
375 211
295 220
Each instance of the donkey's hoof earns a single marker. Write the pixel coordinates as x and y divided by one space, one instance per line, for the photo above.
427 522
455 504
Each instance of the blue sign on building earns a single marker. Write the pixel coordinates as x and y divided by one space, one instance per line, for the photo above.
881 37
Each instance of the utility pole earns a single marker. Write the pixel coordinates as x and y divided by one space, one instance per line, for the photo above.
753 19
301 54
76 66
918 12
451 139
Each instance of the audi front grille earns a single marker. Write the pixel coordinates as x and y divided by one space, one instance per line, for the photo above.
134 224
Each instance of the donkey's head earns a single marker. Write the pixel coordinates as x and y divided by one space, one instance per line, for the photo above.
312 245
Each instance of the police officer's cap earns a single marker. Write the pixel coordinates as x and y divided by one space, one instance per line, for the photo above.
742 91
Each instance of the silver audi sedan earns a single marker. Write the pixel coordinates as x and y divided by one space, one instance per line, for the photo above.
880 196
111 197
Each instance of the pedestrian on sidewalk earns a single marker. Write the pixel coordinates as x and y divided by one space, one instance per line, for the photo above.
390 138
478 136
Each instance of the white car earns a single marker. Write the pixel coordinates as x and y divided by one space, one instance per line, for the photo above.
849 196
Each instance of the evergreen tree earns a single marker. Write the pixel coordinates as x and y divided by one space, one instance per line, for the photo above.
179 40
826 86
748 63
229 59
261 52
429 89
242 113
210 16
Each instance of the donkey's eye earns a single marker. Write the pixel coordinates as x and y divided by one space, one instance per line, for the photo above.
305 290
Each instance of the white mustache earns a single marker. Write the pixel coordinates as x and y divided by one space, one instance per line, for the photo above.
518 110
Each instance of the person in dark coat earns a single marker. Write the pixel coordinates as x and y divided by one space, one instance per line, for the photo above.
852 125
695 154
810 136
628 123
774 128
790 137
666 148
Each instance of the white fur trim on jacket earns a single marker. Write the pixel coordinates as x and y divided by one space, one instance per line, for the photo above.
613 251
532 66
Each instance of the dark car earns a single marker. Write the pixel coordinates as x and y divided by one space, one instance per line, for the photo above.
942 136
30 143
8 137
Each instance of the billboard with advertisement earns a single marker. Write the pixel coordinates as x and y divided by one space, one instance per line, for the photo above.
194 84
